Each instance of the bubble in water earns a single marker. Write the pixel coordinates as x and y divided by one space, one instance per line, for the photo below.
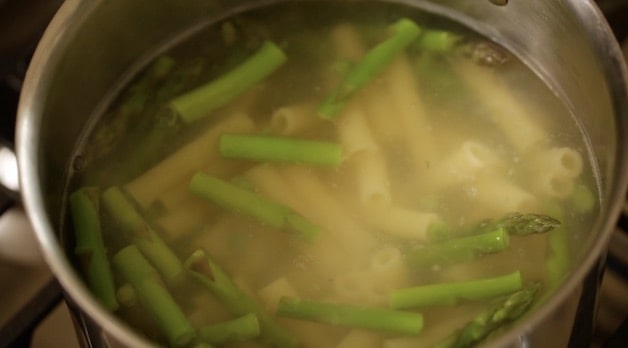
488 53
499 2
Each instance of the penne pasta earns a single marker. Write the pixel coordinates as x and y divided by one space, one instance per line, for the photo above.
272 293
504 109
410 114
293 119
371 177
380 112
191 158
360 339
401 222
190 216
301 191
324 209
354 132
460 166
556 170
495 195
347 42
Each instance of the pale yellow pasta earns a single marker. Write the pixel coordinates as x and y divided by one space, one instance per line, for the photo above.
172 198
371 177
388 266
360 339
325 210
353 288
190 216
369 286
508 113
554 171
272 293
347 42
553 184
303 192
293 119
401 342
460 166
402 222
314 335
191 158
561 160
495 195
379 108
409 113
354 132
268 181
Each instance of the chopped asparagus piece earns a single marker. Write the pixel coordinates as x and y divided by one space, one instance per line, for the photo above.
450 293
218 282
90 248
372 318
154 296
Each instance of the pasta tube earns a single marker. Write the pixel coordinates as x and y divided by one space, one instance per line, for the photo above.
182 165
360 339
555 171
460 166
293 119
507 112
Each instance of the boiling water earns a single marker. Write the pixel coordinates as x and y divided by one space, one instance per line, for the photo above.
484 138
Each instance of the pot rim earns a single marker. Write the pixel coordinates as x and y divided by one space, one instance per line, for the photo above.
35 85
33 98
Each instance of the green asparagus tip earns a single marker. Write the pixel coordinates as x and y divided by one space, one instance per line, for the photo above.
502 313
524 224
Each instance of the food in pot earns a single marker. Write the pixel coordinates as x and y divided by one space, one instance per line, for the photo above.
322 174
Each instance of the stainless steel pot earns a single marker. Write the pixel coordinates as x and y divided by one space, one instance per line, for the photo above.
91 43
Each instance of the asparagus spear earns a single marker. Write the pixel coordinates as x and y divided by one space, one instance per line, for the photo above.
202 100
240 329
437 41
271 148
153 295
248 203
458 249
391 321
216 280
123 211
502 313
450 293
404 31
558 261
522 224
90 248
